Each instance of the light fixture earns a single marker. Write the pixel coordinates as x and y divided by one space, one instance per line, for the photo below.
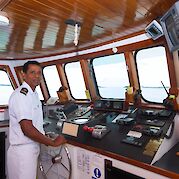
4 21
114 49
76 38
77 26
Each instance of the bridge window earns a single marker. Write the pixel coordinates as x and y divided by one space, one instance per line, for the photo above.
111 76
75 80
152 69
52 80
6 88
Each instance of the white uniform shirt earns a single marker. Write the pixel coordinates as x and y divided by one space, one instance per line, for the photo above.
24 104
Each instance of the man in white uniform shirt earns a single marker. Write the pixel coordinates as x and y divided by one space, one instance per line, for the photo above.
26 126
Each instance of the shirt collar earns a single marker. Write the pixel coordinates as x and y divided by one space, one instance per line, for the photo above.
24 84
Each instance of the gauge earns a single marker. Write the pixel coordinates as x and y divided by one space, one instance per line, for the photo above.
117 105
98 104
107 104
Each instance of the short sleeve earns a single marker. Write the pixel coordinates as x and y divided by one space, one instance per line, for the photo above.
22 106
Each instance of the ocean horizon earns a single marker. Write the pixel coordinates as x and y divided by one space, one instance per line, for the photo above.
153 94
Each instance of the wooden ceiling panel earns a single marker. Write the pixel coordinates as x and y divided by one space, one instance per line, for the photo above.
38 28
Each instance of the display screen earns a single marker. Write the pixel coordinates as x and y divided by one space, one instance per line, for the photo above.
170 28
118 105
98 104
154 31
170 23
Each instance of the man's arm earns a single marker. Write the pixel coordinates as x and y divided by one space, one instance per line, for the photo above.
30 131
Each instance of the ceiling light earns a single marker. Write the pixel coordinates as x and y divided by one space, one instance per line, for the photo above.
76 38
77 27
114 49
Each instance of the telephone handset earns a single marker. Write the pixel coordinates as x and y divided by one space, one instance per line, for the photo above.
147 112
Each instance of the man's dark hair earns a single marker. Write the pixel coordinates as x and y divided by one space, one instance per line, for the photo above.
26 65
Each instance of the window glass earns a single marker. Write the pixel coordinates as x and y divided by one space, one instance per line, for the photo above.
52 79
111 76
75 80
152 69
6 88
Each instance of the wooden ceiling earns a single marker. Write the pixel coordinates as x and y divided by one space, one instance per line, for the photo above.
38 27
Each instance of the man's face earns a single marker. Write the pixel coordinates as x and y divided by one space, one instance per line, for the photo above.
33 75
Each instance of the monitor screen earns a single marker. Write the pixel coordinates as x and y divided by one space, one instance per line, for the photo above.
170 25
154 30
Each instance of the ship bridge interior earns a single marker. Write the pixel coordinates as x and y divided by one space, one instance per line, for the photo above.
109 84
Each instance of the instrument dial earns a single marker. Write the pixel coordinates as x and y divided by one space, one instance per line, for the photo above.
107 104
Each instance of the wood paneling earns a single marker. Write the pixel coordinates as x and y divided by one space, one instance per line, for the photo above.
37 27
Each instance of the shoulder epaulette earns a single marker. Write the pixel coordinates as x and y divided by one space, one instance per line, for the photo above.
24 91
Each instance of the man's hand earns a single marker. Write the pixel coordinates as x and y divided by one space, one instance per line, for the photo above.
59 141
30 131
